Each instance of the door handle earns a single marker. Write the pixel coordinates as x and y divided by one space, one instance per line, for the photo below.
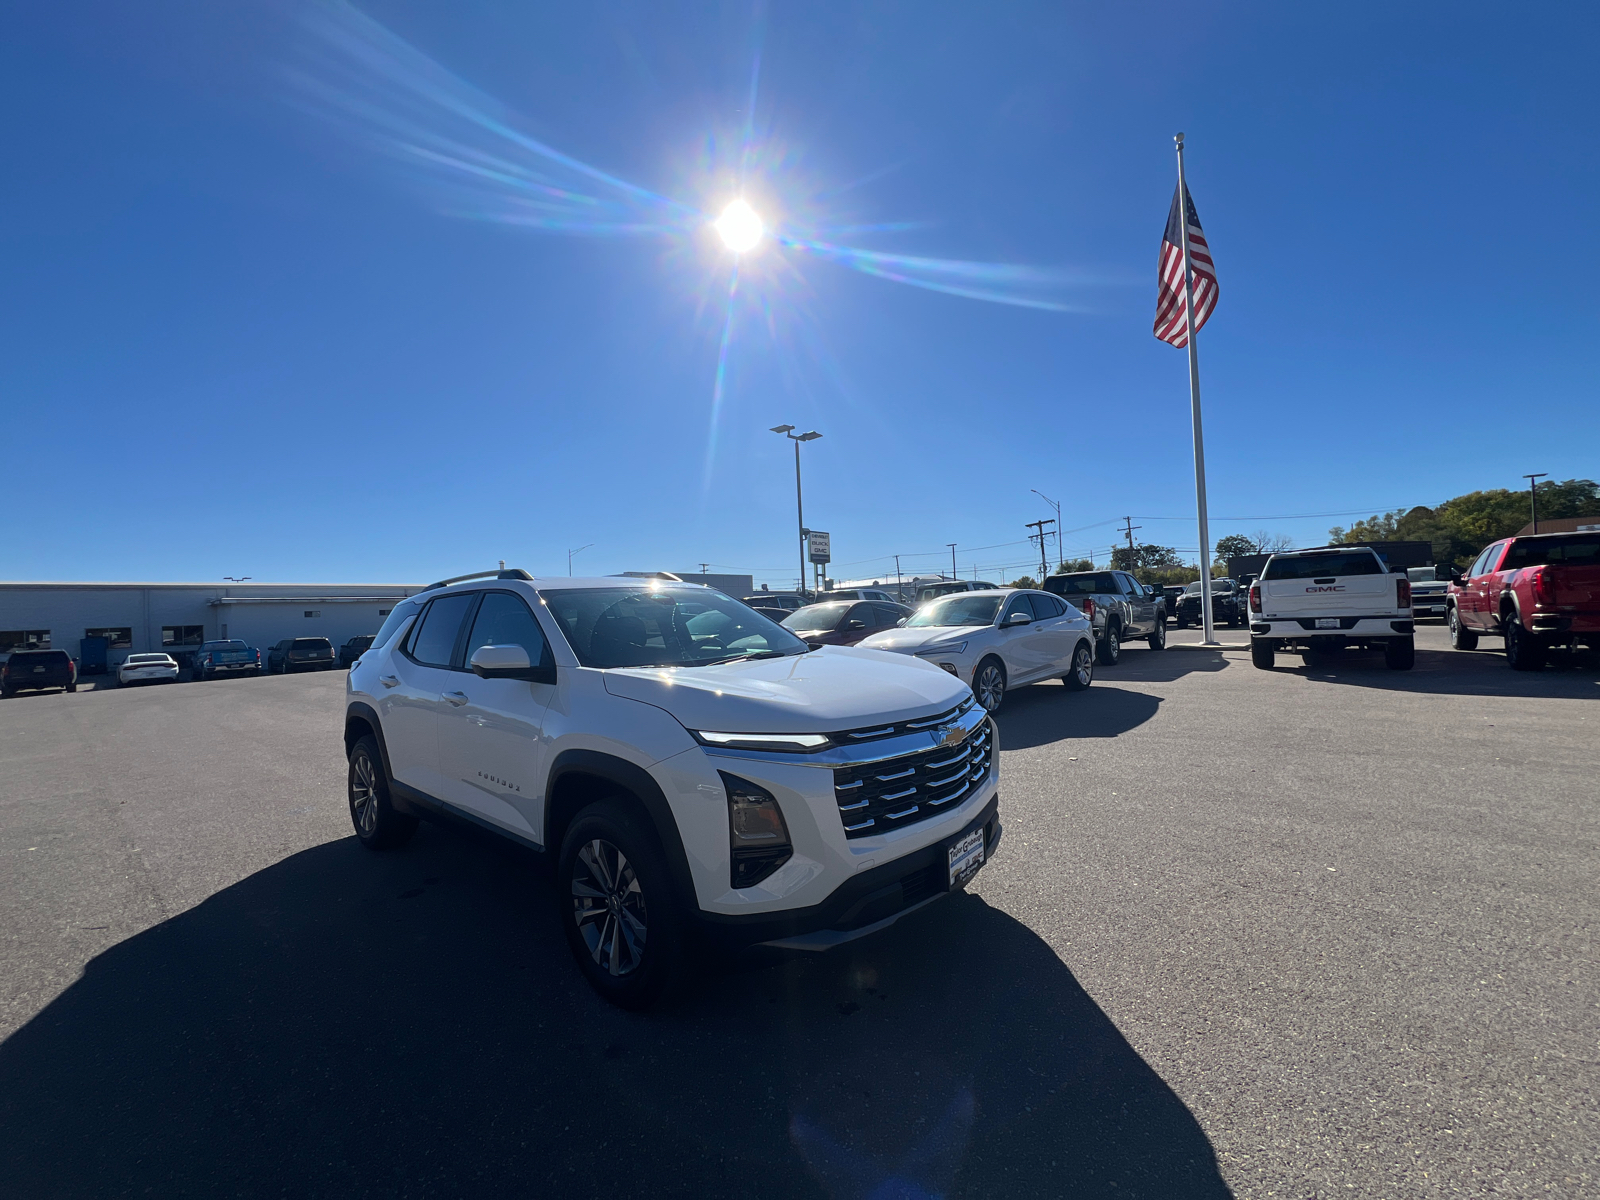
389 680
456 698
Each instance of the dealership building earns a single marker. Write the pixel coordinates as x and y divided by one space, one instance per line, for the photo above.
177 617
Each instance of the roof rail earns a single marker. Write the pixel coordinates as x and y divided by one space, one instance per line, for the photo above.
513 573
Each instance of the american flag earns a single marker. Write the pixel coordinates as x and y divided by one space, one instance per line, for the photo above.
1171 323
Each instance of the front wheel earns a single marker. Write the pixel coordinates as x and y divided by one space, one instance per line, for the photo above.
1082 673
1262 653
1180 622
379 826
989 684
620 914
1461 638
1400 654
1158 639
1524 652
1111 646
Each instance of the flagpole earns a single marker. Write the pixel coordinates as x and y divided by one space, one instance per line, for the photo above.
1208 636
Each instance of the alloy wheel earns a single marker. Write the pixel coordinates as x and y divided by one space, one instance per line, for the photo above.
990 686
608 905
1083 666
364 795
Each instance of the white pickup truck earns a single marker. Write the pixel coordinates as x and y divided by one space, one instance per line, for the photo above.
1322 601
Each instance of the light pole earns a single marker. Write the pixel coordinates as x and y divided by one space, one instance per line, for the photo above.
952 546
1061 553
1533 495
570 553
799 507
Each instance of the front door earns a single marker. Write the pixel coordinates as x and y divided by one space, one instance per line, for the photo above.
1023 647
1484 608
491 748
1143 607
420 674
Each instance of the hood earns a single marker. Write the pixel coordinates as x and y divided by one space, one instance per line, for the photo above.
829 689
909 641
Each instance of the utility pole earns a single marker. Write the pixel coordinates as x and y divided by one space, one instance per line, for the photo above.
1039 525
1061 551
799 508
1533 495
1128 521
952 546
897 585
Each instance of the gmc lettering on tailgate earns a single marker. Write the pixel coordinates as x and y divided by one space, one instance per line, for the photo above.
1331 587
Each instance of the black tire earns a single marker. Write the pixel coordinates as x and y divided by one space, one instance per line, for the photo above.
377 823
989 683
618 907
1180 622
1400 654
1111 645
1158 639
1524 651
1082 673
72 687
1461 638
1263 654
7 693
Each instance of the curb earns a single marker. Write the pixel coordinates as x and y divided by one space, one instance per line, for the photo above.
1198 646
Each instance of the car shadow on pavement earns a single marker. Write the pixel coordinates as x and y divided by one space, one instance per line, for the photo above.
1164 666
347 1024
1455 672
1047 713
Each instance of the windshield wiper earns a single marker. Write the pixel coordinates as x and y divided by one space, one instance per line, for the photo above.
728 658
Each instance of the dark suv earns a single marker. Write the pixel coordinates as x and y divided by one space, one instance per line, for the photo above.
354 649
37 669
1227 604
292 654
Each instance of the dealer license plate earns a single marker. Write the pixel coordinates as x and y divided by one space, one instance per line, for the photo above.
1327 622
966 856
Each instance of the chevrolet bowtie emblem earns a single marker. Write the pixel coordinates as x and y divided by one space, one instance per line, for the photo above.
949 737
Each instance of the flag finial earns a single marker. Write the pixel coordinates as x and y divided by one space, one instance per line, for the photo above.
1179 139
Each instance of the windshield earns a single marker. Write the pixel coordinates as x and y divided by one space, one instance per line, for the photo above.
1316 566
663 627
816 616
973 608
1422 575
1217 585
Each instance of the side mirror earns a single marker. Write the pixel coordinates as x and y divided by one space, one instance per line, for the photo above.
1016 618
853 625
1455 576
509 662
900 622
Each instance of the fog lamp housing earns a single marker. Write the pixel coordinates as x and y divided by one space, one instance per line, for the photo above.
758 838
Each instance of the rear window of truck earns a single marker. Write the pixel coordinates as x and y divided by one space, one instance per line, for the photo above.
1582 550
1082 585
1316 566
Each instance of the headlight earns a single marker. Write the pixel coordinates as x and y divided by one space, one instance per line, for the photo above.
758 839
798 743
949 648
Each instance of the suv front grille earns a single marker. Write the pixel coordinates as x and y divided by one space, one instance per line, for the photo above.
877 797
872 733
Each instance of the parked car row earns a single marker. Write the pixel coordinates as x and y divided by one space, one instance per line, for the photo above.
1539 593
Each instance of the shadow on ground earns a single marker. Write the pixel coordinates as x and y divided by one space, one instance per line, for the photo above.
352 1024
1455 672
1048 713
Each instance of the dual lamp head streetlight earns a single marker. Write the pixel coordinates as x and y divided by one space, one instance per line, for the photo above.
787 431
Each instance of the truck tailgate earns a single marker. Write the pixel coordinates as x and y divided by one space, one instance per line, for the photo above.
1576 588
1349 595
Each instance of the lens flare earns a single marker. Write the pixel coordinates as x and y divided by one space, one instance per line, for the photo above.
740 227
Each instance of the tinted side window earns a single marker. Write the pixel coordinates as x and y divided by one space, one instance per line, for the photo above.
504 620
435 637
863 613
1047 608
1017 604
1491 557
888 615
394 620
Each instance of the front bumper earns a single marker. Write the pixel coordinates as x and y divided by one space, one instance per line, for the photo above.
863 904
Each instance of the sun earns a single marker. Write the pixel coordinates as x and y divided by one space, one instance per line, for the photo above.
740 227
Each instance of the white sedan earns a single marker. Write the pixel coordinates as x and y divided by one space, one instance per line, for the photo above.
148 668
997 640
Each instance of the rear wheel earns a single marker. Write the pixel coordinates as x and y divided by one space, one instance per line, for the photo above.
1263 653
620 915
1400 654
989 683
72 687
378 825
1524 651
1082 673
1461 638
1111 645
1181 622
1158 639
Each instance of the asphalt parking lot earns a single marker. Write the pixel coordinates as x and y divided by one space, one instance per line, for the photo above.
1310 934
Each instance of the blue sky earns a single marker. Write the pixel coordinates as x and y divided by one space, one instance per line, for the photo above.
249 342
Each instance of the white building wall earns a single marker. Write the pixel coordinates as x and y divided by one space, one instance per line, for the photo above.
68 610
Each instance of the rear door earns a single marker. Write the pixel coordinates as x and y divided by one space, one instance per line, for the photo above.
491 745
420 673
1056 631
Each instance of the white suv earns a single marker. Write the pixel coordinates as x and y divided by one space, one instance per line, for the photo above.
698 775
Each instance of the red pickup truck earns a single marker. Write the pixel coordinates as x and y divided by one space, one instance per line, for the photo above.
1537 592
